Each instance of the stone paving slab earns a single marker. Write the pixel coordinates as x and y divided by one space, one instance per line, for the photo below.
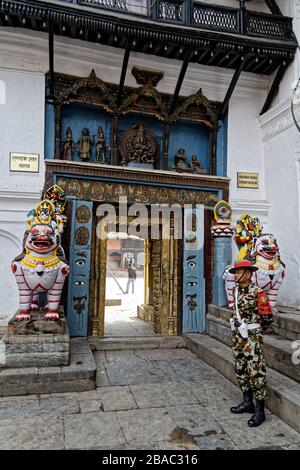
101 376
185 369
195 420
164 354
218 442
127 355
153 395
153 424
99 357
90 406
58 406
15 409
116 398
91 430
273 433
127 373
31 433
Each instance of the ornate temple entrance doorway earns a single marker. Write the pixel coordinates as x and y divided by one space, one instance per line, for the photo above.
157 302
125 286
177 268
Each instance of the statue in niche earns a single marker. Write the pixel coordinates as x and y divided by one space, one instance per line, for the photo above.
85 145
68 145
139 146
180 163
196 166
100 146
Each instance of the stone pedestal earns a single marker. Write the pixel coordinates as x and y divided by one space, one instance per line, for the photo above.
36 343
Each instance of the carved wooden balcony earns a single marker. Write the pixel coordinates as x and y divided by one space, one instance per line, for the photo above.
208 34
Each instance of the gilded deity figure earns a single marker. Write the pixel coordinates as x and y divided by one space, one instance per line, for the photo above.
68 145
140 148
85 145
100 146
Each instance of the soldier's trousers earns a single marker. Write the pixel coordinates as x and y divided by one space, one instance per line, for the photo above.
249 364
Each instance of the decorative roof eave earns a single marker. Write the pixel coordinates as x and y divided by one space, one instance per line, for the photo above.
159 34
69 89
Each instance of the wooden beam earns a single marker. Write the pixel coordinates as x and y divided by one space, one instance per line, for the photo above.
169 51
114 140
201 57
184 67
123 72
274 8
213 58
166 140
260 64
250 64
226 57
274 88
233 60
179 53
232 85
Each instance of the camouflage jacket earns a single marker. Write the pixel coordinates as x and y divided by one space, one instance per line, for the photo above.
253 305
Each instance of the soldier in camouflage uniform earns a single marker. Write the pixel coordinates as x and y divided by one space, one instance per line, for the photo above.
251 318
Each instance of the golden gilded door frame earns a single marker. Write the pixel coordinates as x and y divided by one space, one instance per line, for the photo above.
162 283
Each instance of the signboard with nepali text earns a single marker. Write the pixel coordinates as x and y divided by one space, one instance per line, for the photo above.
25 162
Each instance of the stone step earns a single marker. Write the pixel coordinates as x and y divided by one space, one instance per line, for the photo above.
278 351
284 393
286 320
135 342
287 323
78 376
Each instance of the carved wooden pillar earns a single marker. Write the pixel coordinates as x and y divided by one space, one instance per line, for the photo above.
147 272
114 140
95 312
166 140
58 131
102 286
172 319
213 151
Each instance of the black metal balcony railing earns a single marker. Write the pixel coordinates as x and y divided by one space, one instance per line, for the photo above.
217 18
206 16
115 4
170 11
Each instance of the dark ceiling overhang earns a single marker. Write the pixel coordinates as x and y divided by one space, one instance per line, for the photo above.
170 40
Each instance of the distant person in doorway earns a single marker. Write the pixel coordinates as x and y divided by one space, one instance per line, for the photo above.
131 277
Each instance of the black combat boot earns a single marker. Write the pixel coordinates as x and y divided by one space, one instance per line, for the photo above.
259 416
246 406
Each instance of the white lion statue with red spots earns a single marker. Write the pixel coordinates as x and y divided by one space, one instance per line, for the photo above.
265 255
41 268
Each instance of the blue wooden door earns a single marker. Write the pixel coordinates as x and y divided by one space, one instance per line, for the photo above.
79 277
193 271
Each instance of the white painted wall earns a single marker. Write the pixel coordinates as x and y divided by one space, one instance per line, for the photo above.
281 148
22 130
